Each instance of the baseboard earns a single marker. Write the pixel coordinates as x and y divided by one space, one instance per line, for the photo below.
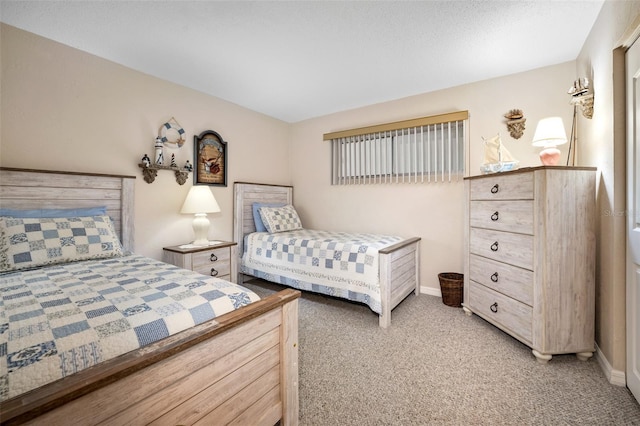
615 377
430 291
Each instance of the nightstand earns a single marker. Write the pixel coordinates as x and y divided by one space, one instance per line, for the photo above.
219 260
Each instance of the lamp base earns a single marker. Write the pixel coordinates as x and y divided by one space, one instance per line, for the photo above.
201 229
550 156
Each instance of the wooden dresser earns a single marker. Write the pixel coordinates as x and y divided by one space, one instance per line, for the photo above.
217 260
530 256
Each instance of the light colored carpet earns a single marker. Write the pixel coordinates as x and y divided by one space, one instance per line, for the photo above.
435 365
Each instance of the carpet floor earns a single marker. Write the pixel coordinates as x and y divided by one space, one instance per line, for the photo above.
437 366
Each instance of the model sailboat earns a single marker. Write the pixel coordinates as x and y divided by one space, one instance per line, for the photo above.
497 157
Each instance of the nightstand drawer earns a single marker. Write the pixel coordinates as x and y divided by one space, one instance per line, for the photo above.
518 186
215 262
509 280
209 257
219 270
515 317
507 247
512 216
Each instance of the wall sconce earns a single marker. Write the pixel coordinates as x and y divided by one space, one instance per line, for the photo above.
582 96
515 123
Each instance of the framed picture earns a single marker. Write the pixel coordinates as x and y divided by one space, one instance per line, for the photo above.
210 163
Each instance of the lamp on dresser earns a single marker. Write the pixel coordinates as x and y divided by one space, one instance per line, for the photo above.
200 201
549 134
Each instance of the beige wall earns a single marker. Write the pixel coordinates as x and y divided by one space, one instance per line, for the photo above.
67 110
433 212
602 143
63 109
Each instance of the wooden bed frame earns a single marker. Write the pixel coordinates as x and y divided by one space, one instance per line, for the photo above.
240 368
399 264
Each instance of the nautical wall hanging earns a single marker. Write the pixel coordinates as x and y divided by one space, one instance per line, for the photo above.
170 135
582 95
581 99
210 152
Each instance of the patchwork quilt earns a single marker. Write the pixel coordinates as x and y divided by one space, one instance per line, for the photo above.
61 319
338 264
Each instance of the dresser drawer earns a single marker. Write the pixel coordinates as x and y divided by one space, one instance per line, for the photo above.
509 280
215 262
514 317
507 247
513 216
518 186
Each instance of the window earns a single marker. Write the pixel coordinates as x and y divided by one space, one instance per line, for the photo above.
428 149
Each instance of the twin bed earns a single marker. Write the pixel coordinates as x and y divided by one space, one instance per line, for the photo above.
377 270
165 345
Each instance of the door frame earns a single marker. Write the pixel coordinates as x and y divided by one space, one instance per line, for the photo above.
632 322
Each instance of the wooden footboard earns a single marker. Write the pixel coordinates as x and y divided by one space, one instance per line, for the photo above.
241 368
399 275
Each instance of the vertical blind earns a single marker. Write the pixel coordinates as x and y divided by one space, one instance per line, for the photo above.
421 150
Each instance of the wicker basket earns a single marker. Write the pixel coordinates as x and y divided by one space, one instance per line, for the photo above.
451 284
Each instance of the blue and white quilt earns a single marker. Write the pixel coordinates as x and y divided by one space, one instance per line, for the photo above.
60 319
338 264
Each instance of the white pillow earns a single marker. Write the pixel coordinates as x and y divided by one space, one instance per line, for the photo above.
32 242
280 219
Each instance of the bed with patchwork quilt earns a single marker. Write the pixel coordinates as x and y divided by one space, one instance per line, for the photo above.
377 270
91 333
338 264
61 319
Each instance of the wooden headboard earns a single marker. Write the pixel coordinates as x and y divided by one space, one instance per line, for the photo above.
38 189
245 194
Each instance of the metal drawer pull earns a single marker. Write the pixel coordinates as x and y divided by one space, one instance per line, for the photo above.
495 189
495 216
214 273
213 257
494 307
494 277
494 246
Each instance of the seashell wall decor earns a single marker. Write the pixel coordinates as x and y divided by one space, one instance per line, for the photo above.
515 123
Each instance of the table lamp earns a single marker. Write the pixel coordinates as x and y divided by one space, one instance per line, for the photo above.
200 201
549 134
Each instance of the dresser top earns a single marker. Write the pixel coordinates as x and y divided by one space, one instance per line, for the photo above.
532 169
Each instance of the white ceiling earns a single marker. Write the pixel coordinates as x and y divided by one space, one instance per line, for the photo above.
300 59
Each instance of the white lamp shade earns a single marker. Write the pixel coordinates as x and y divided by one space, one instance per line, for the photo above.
200 200
550 132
